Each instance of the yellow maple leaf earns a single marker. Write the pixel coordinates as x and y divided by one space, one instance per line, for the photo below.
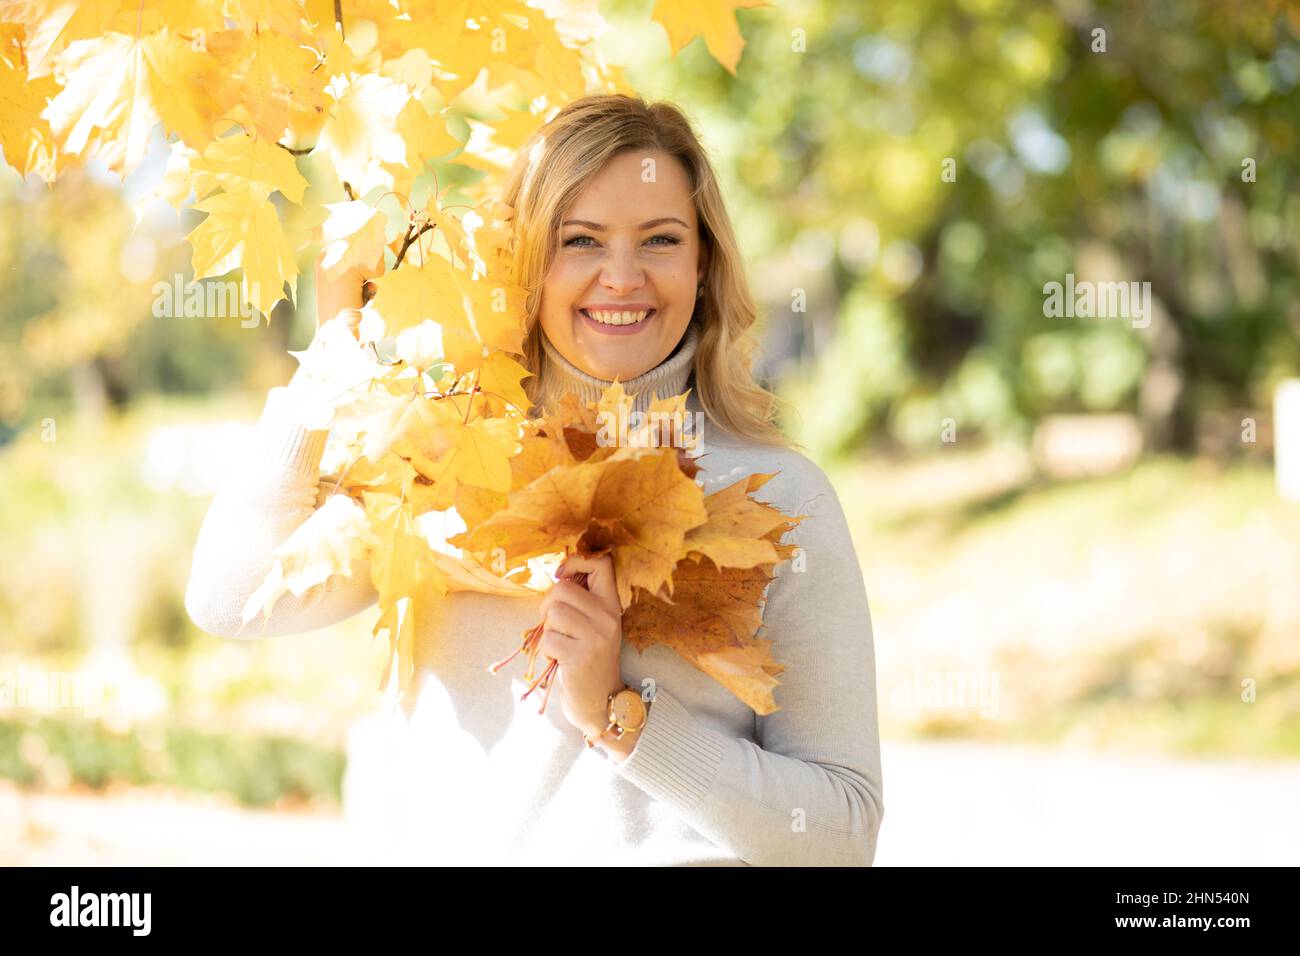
421 345
243 230
467 574
475 505
388 412
354 236
397 621
271 76
542 64
425 135
51 26
399 570
640 505
549 514
274 16
501 379
415 292
715 21
646 505
472 316
480 451
25 137
243 162
733 535
513 130
333 536
712 622
116 89
360 132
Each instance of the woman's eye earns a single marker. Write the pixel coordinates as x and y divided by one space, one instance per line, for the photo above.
672 240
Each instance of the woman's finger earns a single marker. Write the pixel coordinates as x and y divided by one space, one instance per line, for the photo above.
600 576
554 644
563 634
572 622
575 595
343 292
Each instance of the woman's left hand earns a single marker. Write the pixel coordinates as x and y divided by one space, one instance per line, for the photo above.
584 632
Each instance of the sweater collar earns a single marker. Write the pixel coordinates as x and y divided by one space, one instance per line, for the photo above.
670 377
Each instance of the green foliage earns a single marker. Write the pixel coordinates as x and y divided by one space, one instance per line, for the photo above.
1123 164
258 771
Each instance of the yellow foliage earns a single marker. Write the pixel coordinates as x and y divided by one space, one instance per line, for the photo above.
243 89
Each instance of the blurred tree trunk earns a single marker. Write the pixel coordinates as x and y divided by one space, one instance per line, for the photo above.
97 386
1165 405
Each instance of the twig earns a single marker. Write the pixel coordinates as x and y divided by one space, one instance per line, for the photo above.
410 238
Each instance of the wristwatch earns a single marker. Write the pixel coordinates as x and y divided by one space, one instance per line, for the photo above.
626 712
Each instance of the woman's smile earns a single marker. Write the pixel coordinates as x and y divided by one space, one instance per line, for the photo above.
617 321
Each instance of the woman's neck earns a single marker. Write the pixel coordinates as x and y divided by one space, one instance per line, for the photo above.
670 377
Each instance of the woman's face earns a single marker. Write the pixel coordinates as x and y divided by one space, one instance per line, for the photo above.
629 244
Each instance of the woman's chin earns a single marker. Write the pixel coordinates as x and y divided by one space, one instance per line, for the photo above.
610 360
621 372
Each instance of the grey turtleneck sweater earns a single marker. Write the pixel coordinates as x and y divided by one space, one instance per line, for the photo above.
466 772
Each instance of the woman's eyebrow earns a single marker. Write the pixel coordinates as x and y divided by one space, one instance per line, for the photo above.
645 225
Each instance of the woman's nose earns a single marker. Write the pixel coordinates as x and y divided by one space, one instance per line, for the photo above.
622 272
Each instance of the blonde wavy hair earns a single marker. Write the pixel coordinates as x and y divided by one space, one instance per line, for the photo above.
554 166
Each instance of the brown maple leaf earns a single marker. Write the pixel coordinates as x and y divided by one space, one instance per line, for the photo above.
712 622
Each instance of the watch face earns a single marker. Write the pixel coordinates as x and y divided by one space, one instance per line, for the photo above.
629 709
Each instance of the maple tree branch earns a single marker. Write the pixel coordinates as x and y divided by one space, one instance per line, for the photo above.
293 152
338 18
410 237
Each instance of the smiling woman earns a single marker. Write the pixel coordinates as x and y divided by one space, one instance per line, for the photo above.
620 293
625 248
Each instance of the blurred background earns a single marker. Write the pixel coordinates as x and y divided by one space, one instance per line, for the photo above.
1080 535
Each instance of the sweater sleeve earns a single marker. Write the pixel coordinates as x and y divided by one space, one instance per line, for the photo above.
274 486
810 792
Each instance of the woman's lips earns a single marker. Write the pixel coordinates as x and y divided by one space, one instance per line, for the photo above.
632 329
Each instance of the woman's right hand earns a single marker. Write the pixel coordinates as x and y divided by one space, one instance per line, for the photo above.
343 297
340 300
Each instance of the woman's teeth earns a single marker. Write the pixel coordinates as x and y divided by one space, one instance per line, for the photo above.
618 318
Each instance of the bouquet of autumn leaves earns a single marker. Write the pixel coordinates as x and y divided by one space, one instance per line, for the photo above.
435 430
